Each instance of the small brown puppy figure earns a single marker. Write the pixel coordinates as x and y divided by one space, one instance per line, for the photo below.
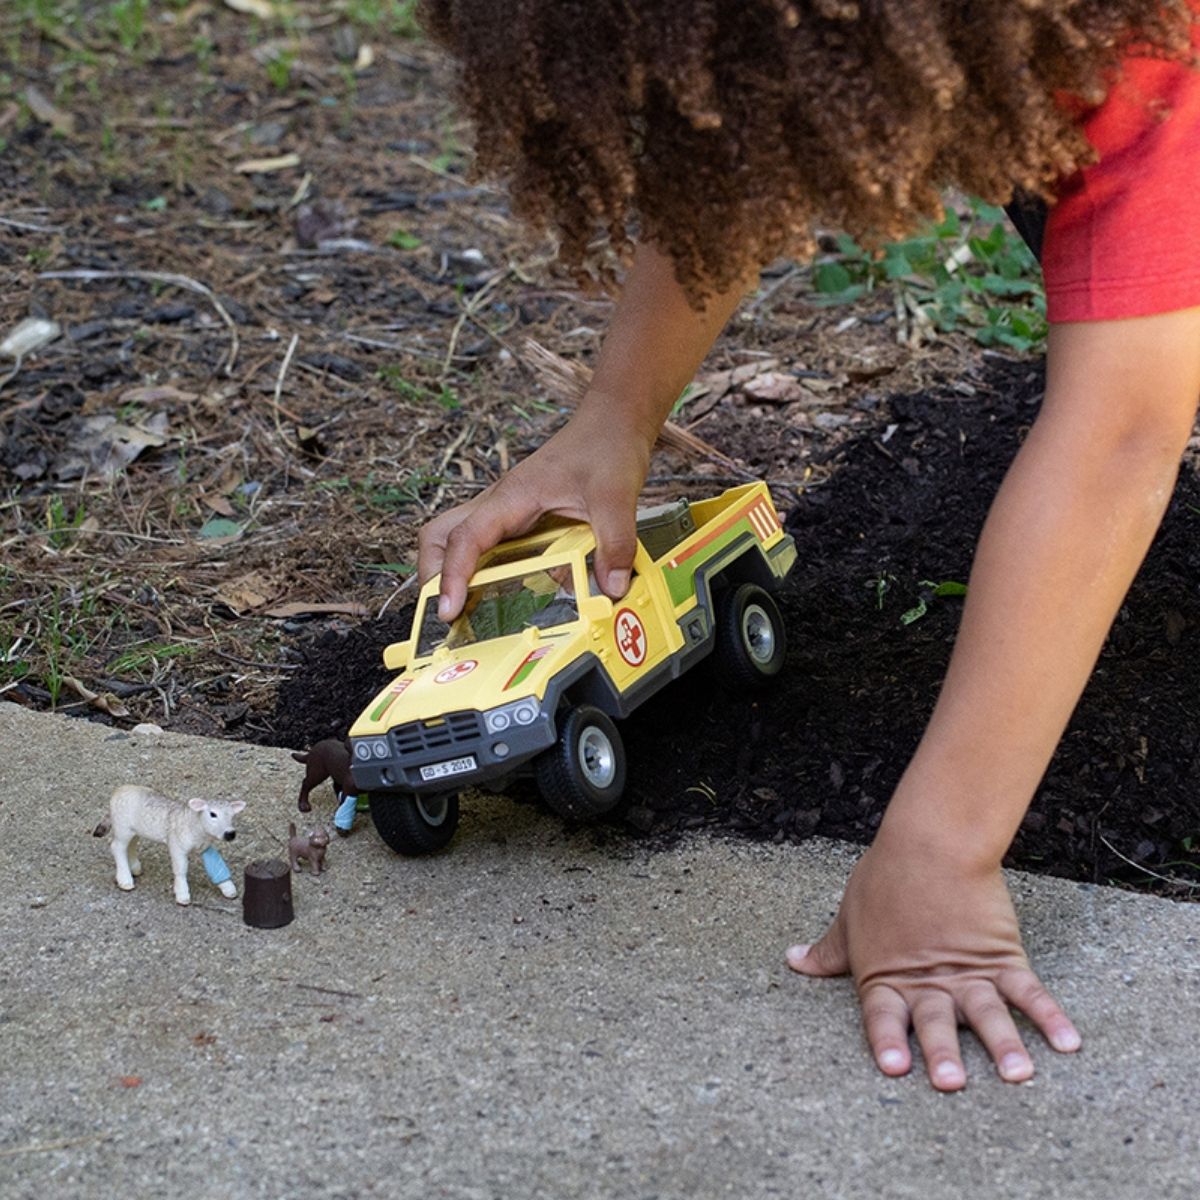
328 759
308 846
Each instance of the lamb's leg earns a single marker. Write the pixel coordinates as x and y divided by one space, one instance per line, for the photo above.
218 871
179 871
120 853
135 861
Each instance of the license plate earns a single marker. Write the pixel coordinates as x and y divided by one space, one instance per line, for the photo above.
453 766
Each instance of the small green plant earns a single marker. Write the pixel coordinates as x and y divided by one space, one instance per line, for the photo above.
384 495
978 277
418 393
929 592
880 585
279 69
62 528
128 19
403 240
133 660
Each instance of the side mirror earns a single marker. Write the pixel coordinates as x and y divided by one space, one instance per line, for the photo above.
396 656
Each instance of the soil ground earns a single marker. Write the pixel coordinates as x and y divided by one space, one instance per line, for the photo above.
292 330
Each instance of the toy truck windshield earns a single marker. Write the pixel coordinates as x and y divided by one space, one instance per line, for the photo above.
501 607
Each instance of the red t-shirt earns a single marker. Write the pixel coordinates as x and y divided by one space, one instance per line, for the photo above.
1124 238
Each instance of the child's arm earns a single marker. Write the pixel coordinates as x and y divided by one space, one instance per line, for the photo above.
594 467
926 925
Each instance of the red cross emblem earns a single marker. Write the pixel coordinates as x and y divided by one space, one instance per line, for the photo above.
450 674
630 635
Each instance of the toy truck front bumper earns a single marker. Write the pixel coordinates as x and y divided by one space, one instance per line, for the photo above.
447 753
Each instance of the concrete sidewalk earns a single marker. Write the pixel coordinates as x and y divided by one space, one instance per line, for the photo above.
524 1016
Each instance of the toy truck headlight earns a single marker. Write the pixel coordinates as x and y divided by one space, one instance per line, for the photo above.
519 712
366 749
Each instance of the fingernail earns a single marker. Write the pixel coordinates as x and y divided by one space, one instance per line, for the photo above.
892 1060
1066 1040
948 1075
797 954
1015 1067
443 608
618 582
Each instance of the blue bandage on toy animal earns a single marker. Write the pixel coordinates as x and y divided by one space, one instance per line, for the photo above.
343 819
214 865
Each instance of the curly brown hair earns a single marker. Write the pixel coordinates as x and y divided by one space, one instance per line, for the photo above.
726 128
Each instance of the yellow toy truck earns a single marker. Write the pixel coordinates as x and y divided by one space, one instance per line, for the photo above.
536 670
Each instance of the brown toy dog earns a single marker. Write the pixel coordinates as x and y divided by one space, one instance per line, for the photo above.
311 847
328 759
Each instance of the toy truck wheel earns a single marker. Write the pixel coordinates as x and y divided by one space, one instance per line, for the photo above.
582 776
751 640
413 825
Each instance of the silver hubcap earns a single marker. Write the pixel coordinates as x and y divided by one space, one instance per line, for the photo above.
433 809
596 757
758 634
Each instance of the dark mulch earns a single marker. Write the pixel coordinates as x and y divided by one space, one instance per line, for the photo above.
822 751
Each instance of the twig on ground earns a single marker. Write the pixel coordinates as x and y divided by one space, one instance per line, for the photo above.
1171 879
60 1144
396 592
25 225
183 281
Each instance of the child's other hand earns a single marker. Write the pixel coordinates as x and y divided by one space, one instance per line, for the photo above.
932 944
591 470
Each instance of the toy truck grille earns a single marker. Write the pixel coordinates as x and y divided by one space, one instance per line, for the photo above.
438 733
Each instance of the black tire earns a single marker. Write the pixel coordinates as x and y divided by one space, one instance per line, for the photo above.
413 825
582 776
751 640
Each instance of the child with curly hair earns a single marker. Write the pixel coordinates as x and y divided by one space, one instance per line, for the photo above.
723 129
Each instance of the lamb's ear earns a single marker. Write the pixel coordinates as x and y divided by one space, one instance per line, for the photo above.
196 804
237 806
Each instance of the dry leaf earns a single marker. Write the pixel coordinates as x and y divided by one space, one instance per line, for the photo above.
246 593
774 387
300 608
263 166
263 9
104 701
28 335
219 505
48 113
163 394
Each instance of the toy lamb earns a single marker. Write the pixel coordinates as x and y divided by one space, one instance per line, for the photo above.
138 812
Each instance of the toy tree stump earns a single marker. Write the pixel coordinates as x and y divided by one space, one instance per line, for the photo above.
267 896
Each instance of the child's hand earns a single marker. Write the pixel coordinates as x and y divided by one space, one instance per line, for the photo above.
931 944
591 470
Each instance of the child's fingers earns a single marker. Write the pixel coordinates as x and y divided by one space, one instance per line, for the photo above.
988 1015
936 1024
431 541
885 1019
506 514
1024 991
613 517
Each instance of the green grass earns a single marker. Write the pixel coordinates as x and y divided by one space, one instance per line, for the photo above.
975 276
132 661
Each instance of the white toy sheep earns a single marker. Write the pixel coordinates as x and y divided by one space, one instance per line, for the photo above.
138 812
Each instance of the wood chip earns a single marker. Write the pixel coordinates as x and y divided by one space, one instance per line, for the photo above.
46 111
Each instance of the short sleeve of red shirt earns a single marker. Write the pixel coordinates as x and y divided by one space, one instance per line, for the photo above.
1123 239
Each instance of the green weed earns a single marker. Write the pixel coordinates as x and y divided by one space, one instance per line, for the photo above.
279 69
131 662
978 277
403 240
61 526
929 592
128 18
418 393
